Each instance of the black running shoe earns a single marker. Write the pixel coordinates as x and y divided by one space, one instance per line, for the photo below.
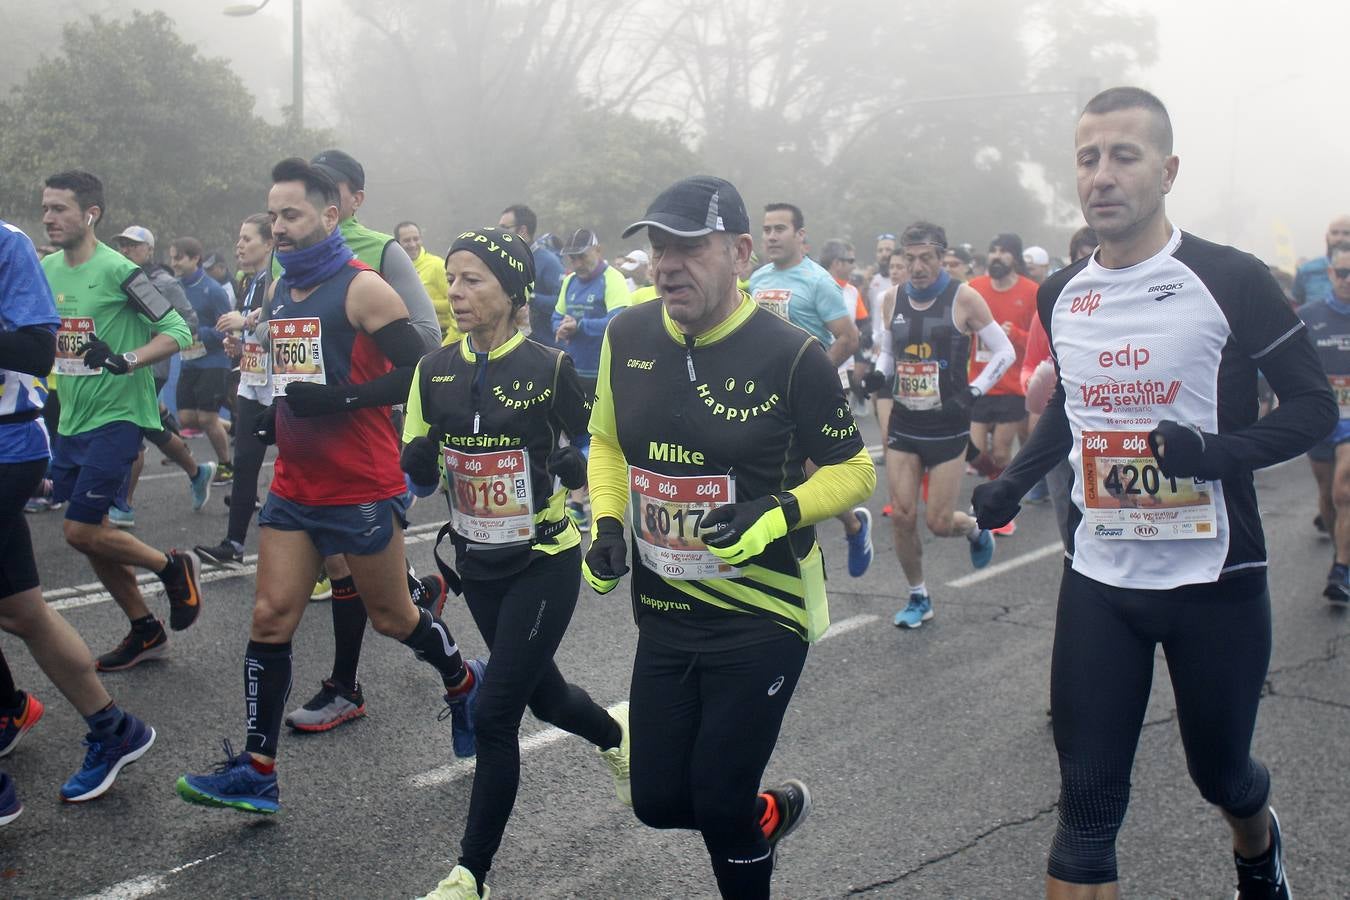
794 804
223 554
183 589
1264 879
430 594
1338 585
135 649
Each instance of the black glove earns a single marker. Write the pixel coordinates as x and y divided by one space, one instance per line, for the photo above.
308 399
420 458
738 532
265 429
569 465
964 399
607 560
996 503
98 355
873 382
1184 451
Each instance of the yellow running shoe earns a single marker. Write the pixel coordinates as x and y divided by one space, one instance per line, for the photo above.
617 757
323 589
458 885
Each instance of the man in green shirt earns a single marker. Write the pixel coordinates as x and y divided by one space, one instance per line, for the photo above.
114 324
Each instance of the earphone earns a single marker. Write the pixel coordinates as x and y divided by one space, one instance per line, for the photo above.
89 220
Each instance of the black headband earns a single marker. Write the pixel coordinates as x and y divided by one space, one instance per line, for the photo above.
506 254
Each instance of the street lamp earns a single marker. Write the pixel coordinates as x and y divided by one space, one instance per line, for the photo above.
297 52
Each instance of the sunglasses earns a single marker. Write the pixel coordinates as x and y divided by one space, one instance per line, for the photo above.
1342 274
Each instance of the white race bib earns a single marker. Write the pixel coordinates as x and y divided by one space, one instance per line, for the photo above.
254 362
667 513
490 499
1128 498
775 300
71 336
917 386
297 353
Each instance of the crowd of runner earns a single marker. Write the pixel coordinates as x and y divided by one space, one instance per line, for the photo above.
691 407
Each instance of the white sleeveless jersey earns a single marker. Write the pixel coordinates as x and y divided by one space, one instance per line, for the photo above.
1178 336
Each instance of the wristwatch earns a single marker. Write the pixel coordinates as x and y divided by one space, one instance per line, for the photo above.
130 357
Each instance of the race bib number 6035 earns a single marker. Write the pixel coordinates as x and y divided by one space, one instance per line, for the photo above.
1127 497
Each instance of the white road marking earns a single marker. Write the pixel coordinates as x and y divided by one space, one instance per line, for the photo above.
145 885
93 593
1007 566
547 736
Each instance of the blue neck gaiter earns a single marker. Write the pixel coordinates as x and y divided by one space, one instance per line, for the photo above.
305 268
928 293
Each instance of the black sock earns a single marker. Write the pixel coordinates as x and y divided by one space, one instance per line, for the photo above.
349 631
10 698
146 624
432 642
103 724
267 684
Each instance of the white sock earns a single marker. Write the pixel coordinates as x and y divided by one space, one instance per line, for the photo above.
974 534
919 588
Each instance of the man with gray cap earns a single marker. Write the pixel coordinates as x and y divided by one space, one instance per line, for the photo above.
724 431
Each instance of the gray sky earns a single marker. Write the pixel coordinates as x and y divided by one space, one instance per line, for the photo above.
1248 86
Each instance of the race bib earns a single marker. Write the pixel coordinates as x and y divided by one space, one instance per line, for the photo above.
917 386
490 500
667 512
71 336
195 350
253 364
297 353
775 300
1128 498
1340 386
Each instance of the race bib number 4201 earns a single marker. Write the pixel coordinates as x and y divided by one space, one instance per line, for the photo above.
71 336
667 513
490 501
917 386
1127 497
297 352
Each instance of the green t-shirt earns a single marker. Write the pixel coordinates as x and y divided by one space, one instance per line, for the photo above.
89 297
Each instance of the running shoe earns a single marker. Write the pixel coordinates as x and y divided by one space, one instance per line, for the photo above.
1320 524
15 723
1337 589
236 783
102 761
887 510
458 885
188 434
201 485
122 518
10 807
328 709
579 516
135 649
323 589
860 544
35 505
430 594
460 709
1005 530
1266 880
982 549
224 474
223 554
916 612
794 805
183 588
617 757
1040 493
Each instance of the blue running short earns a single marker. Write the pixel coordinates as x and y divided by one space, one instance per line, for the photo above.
362 528
1325 450
90 469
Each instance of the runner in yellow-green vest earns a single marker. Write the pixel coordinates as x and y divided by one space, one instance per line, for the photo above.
707 412
431 269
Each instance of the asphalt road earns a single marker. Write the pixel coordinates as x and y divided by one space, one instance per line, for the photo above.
928 753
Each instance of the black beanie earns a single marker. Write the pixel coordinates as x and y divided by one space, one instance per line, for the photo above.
508 256
1013 244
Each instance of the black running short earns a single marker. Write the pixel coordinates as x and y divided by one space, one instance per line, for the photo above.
932 452
18 568
202 389
998 409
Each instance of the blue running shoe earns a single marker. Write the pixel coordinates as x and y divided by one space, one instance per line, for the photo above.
235 784
102 761
201 485
982 549
460 710
10 807
122 517
860 544
916 612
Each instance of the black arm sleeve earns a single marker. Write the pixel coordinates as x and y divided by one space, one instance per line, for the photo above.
1049 443
30 350
1306 414
399 342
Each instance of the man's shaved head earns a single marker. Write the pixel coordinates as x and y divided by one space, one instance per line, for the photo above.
1118 98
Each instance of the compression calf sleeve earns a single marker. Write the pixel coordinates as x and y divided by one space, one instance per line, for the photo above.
432 643
267 684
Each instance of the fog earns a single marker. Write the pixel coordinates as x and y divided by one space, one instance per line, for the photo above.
1248 86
